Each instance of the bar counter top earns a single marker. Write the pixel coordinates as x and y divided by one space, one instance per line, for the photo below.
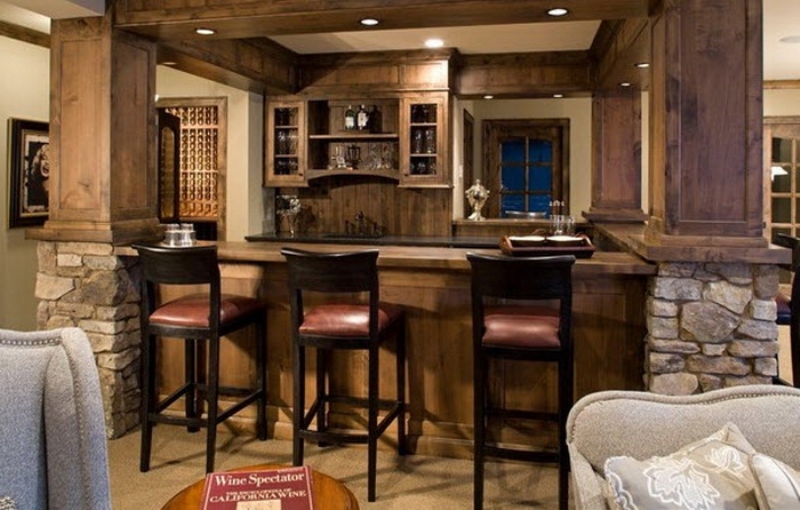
414 257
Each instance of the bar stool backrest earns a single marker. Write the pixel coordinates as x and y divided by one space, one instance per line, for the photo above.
340 273
194 265
526 279
344 272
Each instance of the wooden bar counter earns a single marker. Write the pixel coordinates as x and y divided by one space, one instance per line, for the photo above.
432 286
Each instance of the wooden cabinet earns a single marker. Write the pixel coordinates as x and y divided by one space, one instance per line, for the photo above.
285 144
405 140
424 141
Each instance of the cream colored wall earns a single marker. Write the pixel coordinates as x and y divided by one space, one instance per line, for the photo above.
577 110
24 94
781 102
244 202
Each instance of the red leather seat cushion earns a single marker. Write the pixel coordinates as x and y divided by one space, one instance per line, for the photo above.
346 319
521 326
192 311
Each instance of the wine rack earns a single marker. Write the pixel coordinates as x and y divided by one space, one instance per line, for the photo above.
199 161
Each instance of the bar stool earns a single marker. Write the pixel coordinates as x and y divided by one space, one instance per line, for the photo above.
204 316
337 323
789 306
510 322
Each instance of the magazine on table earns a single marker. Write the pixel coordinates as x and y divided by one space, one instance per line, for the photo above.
271 489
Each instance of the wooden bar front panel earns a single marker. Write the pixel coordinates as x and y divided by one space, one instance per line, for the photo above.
608 331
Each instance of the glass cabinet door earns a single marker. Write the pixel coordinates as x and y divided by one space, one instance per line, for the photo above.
425 162
285 163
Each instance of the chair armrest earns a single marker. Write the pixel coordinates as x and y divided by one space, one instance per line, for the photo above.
587 491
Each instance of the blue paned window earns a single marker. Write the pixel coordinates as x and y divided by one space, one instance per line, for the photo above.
526 175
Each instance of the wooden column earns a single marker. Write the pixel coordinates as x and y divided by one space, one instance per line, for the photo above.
616 157
102 134
706 122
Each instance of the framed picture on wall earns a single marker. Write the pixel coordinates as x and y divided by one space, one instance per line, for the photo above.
29 172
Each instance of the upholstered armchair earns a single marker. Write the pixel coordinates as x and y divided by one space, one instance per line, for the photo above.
52 430
642 425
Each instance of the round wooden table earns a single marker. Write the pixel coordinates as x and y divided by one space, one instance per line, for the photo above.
329 493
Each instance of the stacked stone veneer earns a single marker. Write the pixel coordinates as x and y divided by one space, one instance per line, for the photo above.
86 285
710 325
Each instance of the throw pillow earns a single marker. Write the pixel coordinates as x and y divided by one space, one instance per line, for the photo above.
777 485
7 503
712 473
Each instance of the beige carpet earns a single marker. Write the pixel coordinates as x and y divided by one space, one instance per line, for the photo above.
417 482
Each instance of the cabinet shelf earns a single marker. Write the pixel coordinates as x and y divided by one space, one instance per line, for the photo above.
391 173
356 136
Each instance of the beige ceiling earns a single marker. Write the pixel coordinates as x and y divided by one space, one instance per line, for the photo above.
781 19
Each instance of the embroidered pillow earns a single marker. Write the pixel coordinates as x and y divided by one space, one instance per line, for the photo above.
777 485
712 473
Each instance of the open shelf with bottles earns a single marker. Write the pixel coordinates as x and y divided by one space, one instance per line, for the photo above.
353 137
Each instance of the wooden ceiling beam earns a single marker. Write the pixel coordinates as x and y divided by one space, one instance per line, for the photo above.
514 75
24 34
234 19
617 49
256 65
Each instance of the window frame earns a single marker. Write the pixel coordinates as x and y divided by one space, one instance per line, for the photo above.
554 130
782 127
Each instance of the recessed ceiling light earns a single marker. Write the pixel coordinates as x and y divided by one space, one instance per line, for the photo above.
369 22
625 84
205 31
558 95
558 11
791 39
642 65
168 63
488 96
434 43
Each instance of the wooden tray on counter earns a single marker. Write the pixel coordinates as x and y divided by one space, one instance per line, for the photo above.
583 249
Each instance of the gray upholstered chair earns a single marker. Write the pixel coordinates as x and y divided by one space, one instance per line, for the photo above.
642 425
52 430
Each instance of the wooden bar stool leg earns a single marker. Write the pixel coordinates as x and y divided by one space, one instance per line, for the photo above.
190 378
400 340
479 402
322 392
213 402
564 405
148 399
261 383
299 400
372 425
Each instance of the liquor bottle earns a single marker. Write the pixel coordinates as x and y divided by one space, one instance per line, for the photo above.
349 118
362 118
375 120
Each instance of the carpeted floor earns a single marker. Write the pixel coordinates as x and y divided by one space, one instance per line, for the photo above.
415 481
